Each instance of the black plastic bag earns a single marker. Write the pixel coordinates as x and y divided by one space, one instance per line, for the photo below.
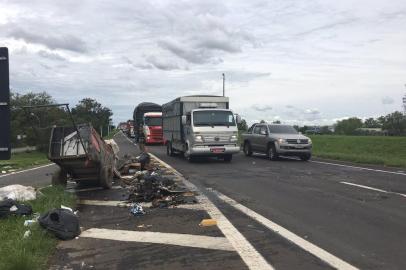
61 222
144 159
6 208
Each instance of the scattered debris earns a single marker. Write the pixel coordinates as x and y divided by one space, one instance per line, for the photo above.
137 210
11 207
208 222
29 222
27 234
67 208
63 223
18 193
143 226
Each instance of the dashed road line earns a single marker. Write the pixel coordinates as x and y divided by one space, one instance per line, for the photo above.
372 188
177 239
292 237
356 167
32 169
252 258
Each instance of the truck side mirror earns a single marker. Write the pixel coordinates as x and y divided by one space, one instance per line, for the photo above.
238 119
184 119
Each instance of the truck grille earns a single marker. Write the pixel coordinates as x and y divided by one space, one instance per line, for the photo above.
215 139
295 141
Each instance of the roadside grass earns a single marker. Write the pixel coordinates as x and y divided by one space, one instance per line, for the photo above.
17 253
381 150
111 135
23 161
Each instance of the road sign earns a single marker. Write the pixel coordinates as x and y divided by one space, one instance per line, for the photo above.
5 148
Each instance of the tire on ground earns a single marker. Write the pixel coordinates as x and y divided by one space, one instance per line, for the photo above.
106 177
228 158
272 154
305 157
59 177
247 149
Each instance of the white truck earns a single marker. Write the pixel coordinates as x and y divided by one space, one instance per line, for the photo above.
200 126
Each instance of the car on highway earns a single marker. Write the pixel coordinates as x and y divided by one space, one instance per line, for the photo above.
276 140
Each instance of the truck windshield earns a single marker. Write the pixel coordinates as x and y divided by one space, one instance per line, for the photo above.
213 118
282 129
153 121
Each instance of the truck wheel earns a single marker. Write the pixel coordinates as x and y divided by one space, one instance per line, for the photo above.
169 149
228 158
305 157
247 149
59 177
187 155
106 177
272 154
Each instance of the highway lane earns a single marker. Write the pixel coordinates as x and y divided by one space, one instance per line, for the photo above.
364 227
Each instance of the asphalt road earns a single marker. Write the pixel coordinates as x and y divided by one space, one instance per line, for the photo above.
332 207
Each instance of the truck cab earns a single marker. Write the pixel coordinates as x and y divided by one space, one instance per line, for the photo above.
200 126
152 127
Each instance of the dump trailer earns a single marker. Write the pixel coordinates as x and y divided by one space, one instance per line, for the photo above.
139 121
81 154
200 126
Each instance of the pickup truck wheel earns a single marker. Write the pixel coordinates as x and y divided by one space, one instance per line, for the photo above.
247 149
228 158
272 154
106 177
59 177
305 157
169 149
187 155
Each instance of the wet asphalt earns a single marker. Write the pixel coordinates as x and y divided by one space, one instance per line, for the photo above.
364 227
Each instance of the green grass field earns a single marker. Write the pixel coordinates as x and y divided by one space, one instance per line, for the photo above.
23 161
388 151
32 253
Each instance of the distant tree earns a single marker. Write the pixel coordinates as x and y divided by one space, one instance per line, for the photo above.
296 127
303 129
276 122
262 122
242 125
90 111
372 123
348 126
394 123
325 130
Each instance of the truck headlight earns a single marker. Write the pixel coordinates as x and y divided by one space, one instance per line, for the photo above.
198 138
233 138
310 141
281 141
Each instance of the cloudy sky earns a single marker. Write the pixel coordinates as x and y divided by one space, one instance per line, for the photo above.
306 62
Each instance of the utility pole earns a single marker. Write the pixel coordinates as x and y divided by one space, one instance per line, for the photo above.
224 85
404 103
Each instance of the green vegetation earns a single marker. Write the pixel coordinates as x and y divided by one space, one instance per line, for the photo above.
32 253
382 150
111 135
23 160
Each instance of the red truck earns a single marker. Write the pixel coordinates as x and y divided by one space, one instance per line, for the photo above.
148 123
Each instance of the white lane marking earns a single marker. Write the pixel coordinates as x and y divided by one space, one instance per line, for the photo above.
247 252
32 169
187 240
294 238
374 189
356 167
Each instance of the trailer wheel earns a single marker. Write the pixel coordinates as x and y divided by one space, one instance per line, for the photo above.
59 177
106 177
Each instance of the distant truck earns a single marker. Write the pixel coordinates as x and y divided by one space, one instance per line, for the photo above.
130 129
275 140
148 122
200 126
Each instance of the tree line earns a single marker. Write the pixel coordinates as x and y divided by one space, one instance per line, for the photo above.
32 126
393 124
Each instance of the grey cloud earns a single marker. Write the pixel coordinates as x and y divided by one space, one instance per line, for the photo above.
161 63
64 42
51 55
387 100
261 108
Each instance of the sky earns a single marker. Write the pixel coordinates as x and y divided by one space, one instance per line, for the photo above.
307 62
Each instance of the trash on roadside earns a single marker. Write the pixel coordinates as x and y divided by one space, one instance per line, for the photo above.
63 223
18 193
208 222
137 210
143 226
29 222
11 207
67 208
27 234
